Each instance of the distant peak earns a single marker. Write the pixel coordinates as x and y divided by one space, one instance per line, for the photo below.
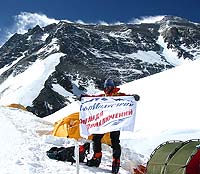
174 19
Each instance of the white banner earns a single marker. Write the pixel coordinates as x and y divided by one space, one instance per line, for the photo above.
100 115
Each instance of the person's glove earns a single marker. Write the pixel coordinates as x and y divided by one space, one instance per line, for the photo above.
136 97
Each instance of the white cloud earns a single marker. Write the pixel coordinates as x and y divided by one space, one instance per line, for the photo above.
103 23
147 19
81 22
26 20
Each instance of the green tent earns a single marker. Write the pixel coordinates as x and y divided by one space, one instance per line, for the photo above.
175 157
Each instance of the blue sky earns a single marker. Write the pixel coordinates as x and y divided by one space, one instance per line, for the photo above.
93 11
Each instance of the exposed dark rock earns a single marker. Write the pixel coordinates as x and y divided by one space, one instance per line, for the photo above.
94 52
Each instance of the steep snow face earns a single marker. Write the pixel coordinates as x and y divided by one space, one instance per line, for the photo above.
171 96
169 53
26 86
88 54
169 104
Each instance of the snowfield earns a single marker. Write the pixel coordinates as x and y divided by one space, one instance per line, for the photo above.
23 147
168 110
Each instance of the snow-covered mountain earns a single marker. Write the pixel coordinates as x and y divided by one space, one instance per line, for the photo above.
47 68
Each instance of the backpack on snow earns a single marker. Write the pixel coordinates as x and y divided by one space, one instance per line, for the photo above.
67 153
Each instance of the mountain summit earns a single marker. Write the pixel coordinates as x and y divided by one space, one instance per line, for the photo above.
46 68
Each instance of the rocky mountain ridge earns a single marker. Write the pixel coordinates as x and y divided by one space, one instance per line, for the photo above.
90 53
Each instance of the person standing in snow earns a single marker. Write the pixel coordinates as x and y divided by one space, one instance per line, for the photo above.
109 90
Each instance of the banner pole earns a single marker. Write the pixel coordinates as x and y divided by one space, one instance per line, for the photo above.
76 155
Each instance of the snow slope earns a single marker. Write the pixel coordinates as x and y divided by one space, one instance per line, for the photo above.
168 110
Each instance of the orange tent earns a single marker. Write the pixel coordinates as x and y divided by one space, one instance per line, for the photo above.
69 127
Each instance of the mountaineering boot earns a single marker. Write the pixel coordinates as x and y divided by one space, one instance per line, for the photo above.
95 161
115 166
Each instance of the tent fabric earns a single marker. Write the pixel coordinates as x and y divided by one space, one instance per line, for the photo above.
174 157
194 164
160 155
69 127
